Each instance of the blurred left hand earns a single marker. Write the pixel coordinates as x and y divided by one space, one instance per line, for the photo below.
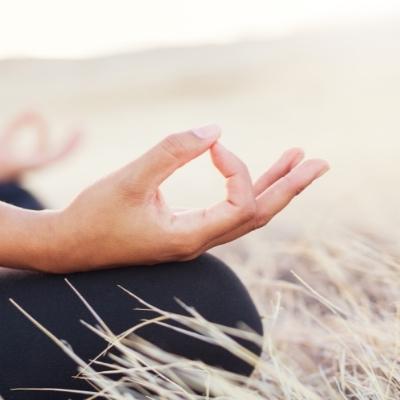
13 166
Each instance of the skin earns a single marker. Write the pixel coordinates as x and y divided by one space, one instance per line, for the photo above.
13 166
123 219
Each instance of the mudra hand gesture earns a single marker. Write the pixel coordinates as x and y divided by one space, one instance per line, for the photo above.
123 219
13 166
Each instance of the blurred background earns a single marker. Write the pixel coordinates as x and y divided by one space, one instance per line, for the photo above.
320 74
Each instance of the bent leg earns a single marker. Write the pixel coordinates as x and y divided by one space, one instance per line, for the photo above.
29 359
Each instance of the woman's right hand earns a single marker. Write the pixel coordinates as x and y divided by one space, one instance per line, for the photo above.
123 219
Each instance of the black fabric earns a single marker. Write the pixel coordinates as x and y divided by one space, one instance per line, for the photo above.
29 359
13 193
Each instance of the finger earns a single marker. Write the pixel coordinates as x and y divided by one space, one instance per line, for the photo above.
239 206
174 151
70 144
267 208
279 195
288 160
284 165
27 119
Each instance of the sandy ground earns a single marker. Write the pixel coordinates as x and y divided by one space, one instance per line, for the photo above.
336 93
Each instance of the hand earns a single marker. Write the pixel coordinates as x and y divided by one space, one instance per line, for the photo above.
12 166
123 218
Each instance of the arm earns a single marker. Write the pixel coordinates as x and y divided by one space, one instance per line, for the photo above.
25 236
123 219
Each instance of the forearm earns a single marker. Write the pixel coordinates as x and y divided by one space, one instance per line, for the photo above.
123 218
27 238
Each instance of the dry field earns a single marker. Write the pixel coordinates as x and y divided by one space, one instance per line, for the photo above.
332 331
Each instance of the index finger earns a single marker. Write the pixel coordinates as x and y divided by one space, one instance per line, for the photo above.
238 208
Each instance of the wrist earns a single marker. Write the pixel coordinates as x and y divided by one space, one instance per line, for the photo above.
55 240
47 251
32 240
60 244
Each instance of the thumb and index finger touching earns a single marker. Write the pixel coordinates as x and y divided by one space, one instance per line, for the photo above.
240 205
152 168
157 164
41 154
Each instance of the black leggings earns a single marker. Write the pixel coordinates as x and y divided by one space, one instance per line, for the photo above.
29 359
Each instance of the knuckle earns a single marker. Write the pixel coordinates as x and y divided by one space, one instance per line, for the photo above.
242 167
173 146
129 190
292 187
262 219
247 211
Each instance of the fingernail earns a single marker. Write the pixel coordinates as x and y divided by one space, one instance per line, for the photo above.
323 171
212 131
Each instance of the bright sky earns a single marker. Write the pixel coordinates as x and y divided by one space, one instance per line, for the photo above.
81 28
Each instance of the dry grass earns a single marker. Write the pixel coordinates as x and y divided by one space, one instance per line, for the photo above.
331 313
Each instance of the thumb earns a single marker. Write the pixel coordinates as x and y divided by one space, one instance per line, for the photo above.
174 151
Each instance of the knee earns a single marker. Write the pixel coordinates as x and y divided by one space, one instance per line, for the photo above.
225 299
215 291
206 283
